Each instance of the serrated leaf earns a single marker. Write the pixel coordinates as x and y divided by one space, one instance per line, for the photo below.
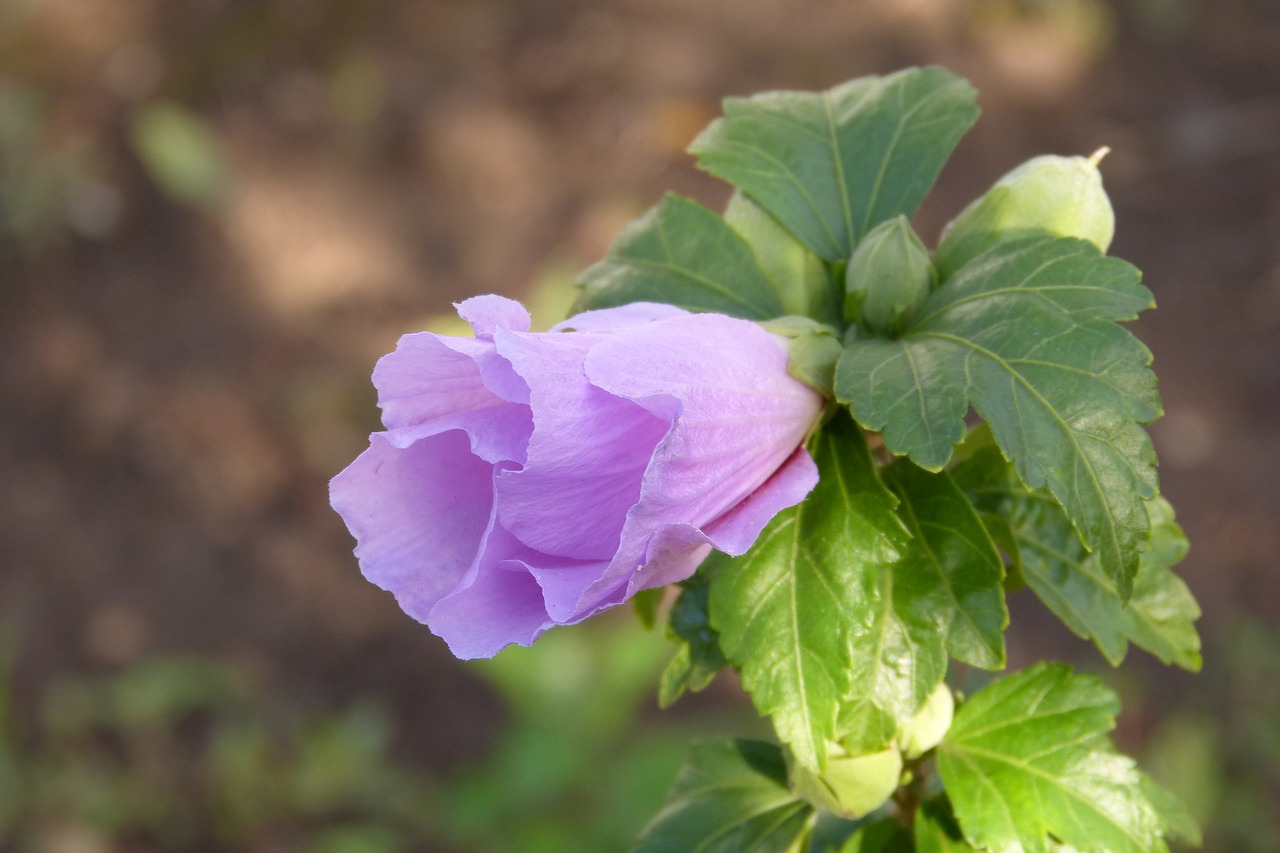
832 165
731 796
1028 758
1025 334
955 549
815 614
1176 817
1161 613
698 658
936 830
682 254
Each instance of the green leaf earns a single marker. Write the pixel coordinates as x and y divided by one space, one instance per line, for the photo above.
955 550
1161 613
936 830
683 254
832 165
1175 816
1028 757
831 639
1025 334
882 836
731 796
698 658
646 603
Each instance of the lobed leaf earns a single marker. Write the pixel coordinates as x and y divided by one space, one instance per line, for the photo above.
682 254
1027 764
1161 613
832 165
731 796
1026 334
836 637
954 548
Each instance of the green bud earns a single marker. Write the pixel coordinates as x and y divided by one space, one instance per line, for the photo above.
888 278
1055 195
799 277
925 730
853 785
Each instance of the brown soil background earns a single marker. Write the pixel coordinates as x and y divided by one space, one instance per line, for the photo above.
177 384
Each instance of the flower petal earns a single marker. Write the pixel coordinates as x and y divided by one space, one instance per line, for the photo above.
620 317
418 514
586 457
501 607
737 416
432 384
491 312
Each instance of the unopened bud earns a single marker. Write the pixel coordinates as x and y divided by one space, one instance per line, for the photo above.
1062 196
888 278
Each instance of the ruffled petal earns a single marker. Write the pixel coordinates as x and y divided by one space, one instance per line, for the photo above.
418 514
621 317
737 530
490 312
432 384
503 606
587 455
737 415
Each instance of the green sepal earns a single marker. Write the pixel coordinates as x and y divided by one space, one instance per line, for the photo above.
852 785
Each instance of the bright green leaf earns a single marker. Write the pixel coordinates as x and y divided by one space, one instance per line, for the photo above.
683 254
1028 758
832 165
1025 334
955 550
731 796
1159 616
815 613
698 658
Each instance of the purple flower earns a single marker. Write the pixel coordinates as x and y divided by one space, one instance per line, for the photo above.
527 480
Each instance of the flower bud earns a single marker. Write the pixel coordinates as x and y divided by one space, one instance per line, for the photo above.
1055 195
888 278
925 730
853 785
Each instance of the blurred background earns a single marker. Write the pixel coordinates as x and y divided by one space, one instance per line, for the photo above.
216 214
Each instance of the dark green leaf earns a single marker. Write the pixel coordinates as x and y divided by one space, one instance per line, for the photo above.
815 614
882 836
646 603
1028 758
1025 334
683 254
730 796
1160 615
954 549
698 658
832 165
936 830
